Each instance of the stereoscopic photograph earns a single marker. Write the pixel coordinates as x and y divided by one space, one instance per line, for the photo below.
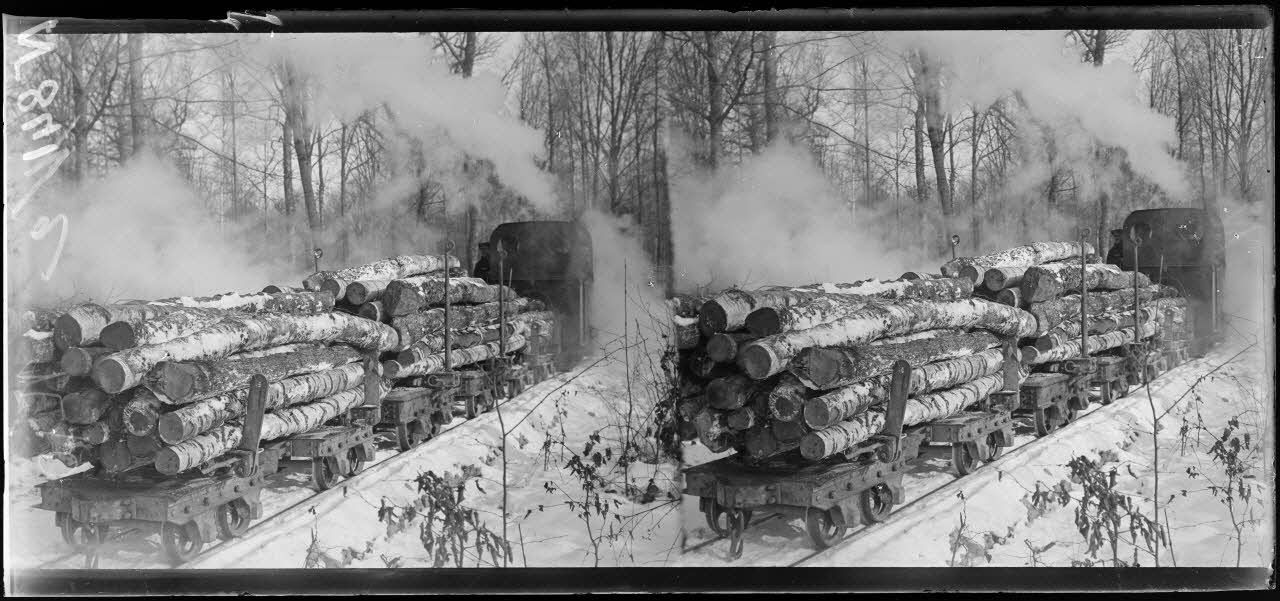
727 292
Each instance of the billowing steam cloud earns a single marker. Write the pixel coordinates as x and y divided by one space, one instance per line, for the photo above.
349 74
773 219
1077 102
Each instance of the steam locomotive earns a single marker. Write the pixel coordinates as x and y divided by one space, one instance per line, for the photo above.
1180 247
550 261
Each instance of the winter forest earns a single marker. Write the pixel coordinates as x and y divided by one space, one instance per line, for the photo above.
238 180
264 147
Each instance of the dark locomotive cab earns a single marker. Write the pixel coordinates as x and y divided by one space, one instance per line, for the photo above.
550 261
1180 247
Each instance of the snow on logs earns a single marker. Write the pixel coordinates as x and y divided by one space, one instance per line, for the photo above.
729 310
771 354
844 435
974 269
392 268
126 369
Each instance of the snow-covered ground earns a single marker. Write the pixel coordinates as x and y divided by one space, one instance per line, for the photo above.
342 527
1003 525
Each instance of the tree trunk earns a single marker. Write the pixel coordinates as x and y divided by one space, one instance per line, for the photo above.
786 399
85 406
201 416
770 87
414 327
844 435
844 403
834 367
128 334
741 419
408 295
360 292
393 268
1018 256
713 429
38 347
457 357
731 392
141 413
523 324
1050 314
1101 324
125 369
375 311
826 308
1099 342
1011 297
723 347
279 424
136 116
182 383
1003 277
1045 282
771 354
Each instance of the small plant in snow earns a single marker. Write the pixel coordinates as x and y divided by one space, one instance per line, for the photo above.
449 530
1104 515
1233 450
591 503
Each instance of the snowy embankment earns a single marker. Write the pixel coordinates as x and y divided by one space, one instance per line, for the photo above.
994 516
342 528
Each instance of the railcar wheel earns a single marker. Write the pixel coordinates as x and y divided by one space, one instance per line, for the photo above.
182 542
323 472
964 456
1045 423
81 534
994 450
402 437
877 502
720 520
354 462
822 529
233 518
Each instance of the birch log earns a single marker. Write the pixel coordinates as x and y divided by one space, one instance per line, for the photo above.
767 321
687 335
839 405
202 416
416 326
182 383
771 354
1050 314
278 424
1003 277
730 392
141 413
435 363
1095 343
786 399
1024 256
523 324
86 406
729 311
122 335
374 310
126 369
713 429
844 435
37 347
83 323
925 335
411 294
834 367
1011 297
79 360
392 268
723 347
1045 282
360 292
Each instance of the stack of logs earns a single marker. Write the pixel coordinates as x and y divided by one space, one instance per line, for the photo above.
783 369
164 383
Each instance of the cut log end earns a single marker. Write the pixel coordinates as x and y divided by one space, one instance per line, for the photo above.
764 322
813 446
111 375
171 428
759 361
722 348
817 414
177 381
77 362
712 318
118 336
66 332
971 273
